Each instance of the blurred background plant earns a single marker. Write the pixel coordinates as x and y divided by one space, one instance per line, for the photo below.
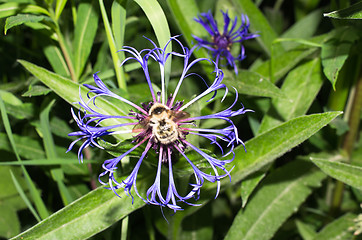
296 181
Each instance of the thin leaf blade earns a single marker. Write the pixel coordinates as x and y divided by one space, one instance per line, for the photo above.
349 174
58 83
85 31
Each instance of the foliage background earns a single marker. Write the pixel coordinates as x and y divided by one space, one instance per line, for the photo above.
297 180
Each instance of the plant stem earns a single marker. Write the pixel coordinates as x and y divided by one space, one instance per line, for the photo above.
88 156
66 54
353 116
62 45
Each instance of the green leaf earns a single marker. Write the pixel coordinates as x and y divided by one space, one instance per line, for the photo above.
284 191
266 147
56 59
85 217
307 232
8 189
159 23
60 4
47 162
352 12
349 174
15 107
12 8
197 226
248 185
303 29
338 229
258 23
27 147
283 63
335 52
45 130
21 19
24 197
85 31
300 88
184 12
36 90
70 91
9 221
119 14
43 212
57 173
252 83
113 48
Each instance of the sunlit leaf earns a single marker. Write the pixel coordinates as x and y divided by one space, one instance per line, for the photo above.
85 217
252 83
58 84
282 193
352 12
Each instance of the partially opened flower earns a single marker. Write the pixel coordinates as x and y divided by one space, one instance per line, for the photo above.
161 125
220 43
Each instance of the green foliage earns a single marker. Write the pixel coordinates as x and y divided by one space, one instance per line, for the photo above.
299 176
352 12
349 174
21 19
284 190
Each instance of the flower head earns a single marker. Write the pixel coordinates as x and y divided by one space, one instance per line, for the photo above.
161 125
221 43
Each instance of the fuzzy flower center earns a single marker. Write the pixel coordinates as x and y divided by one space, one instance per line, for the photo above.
222 42
163 122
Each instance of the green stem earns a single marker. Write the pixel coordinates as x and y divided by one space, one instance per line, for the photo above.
353 112
62 45
354 118
66 54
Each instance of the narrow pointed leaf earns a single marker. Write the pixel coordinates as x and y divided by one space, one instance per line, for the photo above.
338 229
282 193
24 197
85 217
12 8
352 12
42 210
335 52
85 31
272 144
159 23
58 83
113 48
21 19
349 174
184 12
56 60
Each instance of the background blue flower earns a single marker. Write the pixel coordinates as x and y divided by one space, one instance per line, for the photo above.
221 42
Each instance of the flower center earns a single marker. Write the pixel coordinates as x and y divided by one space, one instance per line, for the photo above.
162 121
222 42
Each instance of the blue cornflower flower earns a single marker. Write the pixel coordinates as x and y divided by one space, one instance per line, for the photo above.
161 125
221 43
